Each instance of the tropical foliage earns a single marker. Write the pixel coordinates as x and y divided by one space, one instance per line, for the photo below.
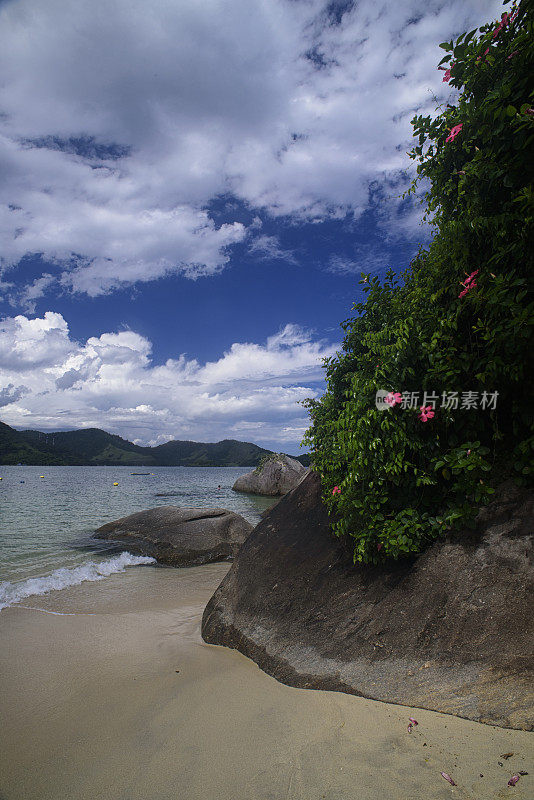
456 325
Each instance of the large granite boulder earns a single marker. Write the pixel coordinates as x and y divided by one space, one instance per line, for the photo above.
277 475
451 631
181 537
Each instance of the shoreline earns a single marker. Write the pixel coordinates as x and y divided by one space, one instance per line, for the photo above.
119 697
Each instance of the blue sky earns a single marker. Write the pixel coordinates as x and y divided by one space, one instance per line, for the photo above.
190 192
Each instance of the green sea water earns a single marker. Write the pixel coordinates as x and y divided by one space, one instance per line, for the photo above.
48 516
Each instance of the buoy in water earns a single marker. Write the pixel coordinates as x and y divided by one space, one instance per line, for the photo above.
41 476
115 484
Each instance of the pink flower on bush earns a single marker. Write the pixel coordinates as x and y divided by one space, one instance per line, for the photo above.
471 277
485 53
336 490
393 398
500 26
505 19
427 412
454 132
469 283
379 546
447 76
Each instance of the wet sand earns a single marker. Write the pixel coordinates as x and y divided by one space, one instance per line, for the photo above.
120 699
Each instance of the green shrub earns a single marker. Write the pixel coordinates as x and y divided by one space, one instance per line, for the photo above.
459 319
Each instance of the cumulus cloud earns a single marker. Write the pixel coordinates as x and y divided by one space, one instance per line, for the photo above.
120 122
251 392
29 344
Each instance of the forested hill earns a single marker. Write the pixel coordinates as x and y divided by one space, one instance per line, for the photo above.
93 446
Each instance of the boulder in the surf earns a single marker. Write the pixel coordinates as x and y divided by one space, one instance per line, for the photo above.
180 537
277 475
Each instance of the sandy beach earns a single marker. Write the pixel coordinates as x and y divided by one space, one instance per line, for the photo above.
116 696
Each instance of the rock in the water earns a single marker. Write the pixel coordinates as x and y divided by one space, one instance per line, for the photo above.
451 631
277 475
181 537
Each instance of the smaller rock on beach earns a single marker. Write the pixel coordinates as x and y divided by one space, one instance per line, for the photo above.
180 537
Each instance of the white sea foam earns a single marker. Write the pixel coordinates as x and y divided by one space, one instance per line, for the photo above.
11 593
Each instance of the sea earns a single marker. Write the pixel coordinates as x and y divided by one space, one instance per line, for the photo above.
48 516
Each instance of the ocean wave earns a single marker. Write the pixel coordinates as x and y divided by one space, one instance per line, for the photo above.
63 577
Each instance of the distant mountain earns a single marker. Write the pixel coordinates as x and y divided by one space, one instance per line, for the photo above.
89 446
93 446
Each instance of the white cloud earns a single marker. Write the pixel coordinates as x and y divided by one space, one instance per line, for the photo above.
268 100
268 247
30 344
47 380
32 292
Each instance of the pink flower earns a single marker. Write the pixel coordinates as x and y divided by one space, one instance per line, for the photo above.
469 283
485 53
336 490
393 398
505 19
468 453
512 55
427 412
471 277
454 132
447 76
413 721
379 546
501 25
